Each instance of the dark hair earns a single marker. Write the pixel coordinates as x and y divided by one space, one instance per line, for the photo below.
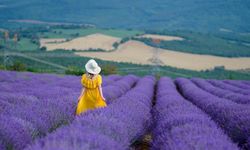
91 73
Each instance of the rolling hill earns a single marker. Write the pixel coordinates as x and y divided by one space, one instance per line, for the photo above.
196 15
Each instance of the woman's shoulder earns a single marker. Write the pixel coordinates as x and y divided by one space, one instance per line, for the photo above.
84 75
84 78
99 76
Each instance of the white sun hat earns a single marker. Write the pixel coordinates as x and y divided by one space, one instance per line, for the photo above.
92 67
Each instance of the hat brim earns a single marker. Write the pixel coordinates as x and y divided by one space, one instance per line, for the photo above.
93 71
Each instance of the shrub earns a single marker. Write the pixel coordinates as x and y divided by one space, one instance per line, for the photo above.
74 70
43 48
17 66
109 69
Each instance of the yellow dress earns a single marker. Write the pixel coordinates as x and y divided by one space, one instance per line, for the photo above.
91 98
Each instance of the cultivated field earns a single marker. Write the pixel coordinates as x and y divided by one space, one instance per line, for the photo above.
140 53
93 41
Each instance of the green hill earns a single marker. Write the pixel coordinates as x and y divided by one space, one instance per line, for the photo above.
196 15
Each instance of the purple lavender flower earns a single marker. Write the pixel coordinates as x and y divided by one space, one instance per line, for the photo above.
13 134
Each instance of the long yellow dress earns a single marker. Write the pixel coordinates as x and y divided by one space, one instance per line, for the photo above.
91 98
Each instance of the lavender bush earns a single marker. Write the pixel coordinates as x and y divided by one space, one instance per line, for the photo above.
245 82
119 87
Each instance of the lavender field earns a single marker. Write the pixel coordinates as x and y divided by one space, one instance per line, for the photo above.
37 113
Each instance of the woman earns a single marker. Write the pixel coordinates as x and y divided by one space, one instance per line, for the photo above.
91 96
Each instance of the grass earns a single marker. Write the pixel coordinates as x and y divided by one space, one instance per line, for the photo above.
24 44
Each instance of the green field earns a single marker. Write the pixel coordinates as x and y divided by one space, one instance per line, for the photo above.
24 44
223 44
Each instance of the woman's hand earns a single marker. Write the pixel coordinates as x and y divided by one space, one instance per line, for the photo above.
79 98
104 99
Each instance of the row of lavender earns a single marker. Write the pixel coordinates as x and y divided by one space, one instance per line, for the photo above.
177 124
181 125
226 104
32 105
219 89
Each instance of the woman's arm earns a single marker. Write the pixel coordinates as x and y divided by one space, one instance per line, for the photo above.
83 89
100 89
